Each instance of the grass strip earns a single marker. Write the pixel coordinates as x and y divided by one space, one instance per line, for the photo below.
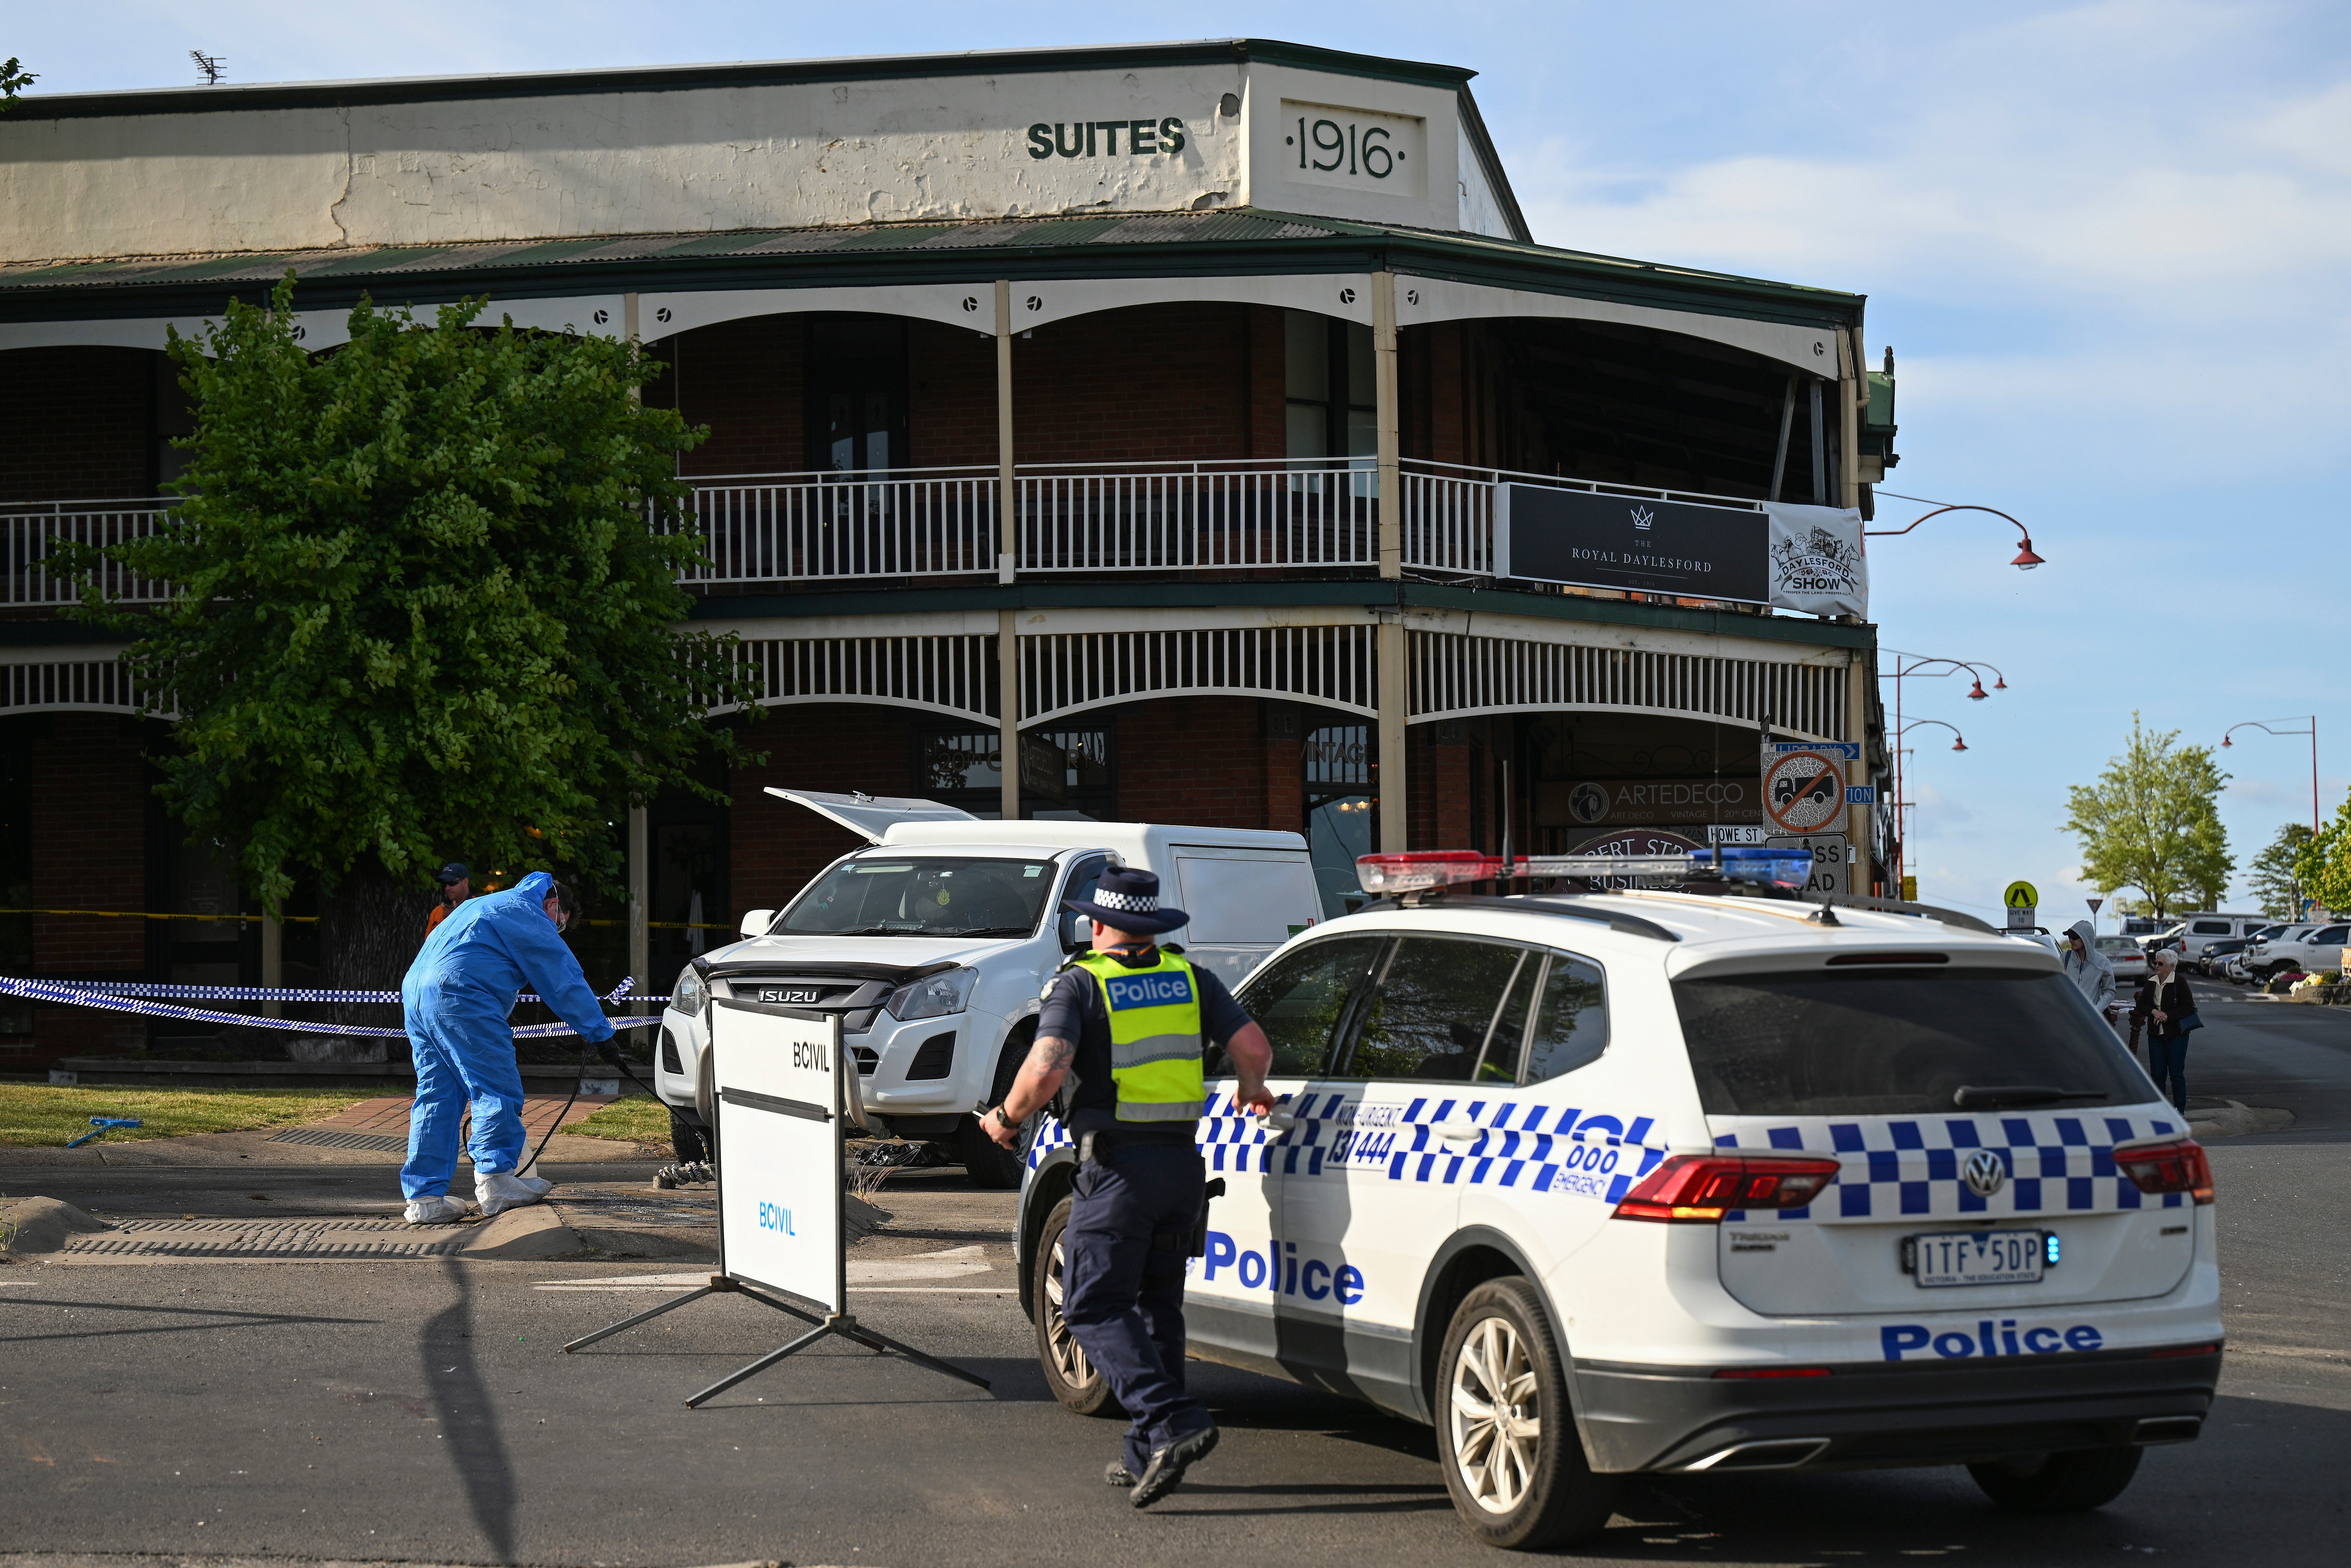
50 1115
633 1120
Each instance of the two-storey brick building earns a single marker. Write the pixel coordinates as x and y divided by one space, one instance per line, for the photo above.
1198 425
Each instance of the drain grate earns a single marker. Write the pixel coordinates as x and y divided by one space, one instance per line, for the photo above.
266 1238
322 1138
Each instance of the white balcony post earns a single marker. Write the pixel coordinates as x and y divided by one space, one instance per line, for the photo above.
1384 383
1008 523
1008 712
1395 710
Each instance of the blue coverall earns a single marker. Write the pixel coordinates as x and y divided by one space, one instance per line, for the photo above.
457 998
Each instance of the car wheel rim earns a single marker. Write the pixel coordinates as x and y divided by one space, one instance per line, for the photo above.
1496 1411
1070 1363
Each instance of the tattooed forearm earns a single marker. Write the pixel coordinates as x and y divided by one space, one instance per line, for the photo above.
1051 1054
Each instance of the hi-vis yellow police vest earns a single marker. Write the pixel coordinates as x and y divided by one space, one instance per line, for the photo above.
1155 1038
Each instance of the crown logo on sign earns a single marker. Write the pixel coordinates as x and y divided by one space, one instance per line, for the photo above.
1641 518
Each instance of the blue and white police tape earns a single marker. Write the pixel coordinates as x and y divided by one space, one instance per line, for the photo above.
77 996
268 993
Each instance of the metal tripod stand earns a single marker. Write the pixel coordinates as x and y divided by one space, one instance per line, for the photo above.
845 1324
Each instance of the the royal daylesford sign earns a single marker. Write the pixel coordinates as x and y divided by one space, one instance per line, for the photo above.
1633 542
1793 558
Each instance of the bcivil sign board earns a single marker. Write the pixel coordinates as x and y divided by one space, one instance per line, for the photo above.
779 1134
1831 859
1803 784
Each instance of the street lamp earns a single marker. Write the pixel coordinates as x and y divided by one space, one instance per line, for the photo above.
2025 560
1901 835
2312 732
1922 665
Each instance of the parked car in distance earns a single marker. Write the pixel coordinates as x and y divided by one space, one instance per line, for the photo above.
2275 955
2039 937
2129 958
2313 949
2212 960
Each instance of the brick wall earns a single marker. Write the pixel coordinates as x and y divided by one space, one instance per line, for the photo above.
834 748
1198 761
78 423
1151 384
90 851
745 380
950 396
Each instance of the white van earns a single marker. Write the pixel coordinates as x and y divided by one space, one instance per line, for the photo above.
2197 932
937 939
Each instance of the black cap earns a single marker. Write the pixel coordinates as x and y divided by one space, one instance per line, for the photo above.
455 871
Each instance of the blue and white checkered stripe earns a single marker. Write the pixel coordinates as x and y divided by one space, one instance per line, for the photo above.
1525 1146
1899 1167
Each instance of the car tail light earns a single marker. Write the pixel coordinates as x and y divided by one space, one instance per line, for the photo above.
2163 1168
1699 1189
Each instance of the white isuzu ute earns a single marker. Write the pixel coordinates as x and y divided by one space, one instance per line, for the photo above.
936 941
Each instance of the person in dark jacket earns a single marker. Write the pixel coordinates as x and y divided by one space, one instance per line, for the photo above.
2170 1017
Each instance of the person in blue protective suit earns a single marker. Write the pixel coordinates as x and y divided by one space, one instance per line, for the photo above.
457 998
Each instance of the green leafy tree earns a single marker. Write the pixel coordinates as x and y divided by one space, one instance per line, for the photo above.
2323 864
418 605
2150 822
13 81
2275 879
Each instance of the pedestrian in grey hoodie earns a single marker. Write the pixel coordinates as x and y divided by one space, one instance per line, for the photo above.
2087 967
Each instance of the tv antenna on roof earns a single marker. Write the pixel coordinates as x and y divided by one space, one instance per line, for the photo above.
211 65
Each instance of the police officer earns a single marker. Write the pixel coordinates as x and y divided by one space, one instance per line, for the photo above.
1130 1022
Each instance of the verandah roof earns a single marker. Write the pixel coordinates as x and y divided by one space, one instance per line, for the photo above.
1240 241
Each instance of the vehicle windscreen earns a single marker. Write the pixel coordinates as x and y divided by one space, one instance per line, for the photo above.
923 895
1875 1042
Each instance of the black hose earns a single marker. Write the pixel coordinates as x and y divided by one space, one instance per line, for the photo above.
611 1054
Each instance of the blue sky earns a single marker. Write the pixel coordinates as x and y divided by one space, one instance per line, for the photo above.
2106 242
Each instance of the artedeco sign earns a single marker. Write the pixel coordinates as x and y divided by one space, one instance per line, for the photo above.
1546 535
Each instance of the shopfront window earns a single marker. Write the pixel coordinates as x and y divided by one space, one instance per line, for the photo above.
1066 774
1339 811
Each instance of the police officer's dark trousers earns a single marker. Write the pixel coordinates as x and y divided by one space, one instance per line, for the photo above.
1132 1213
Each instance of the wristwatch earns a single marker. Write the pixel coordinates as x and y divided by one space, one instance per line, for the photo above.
1002 1115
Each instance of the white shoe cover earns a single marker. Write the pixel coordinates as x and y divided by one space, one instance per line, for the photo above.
433 1211
538 1184
498 1191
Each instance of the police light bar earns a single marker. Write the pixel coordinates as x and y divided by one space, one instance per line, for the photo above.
1420 871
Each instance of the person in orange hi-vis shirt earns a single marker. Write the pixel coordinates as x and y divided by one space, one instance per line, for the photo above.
457 882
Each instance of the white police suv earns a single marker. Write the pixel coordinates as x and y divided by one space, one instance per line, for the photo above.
1692 1179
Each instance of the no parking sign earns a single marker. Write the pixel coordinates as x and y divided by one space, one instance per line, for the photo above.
1803 783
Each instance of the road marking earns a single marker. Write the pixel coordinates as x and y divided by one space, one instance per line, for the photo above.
921 1266
932 1290
628 1283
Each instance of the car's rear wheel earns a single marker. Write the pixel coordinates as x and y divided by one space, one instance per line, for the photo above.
1076 1382
2072 1482
1507 1439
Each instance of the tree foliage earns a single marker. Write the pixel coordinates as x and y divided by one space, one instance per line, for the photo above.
2323 864
2150 821
2274 880
12 80
417 601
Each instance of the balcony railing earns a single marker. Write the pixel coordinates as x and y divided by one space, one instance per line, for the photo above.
36 529
1194 516
1211 517
833 526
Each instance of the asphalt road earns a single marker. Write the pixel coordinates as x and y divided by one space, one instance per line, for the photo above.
419 1411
